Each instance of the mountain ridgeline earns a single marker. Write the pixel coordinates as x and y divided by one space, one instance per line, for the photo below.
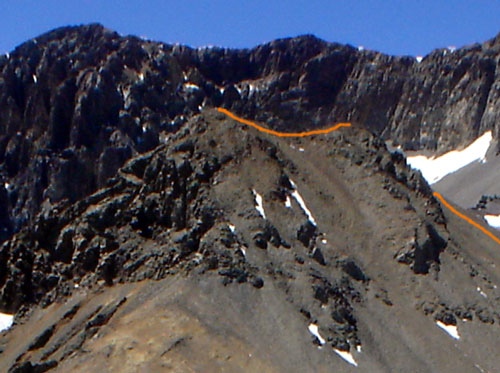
87 99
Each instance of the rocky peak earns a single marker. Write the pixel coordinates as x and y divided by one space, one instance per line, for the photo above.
115 170
77 102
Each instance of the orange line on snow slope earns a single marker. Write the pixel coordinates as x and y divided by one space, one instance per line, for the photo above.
466 218
282 134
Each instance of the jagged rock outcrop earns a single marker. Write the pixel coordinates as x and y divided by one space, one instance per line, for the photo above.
77 102
187 211
128 203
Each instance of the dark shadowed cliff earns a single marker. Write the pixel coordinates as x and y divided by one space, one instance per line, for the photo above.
144 230
77 102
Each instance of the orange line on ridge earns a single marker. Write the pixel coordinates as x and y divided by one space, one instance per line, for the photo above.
282 134
466 218
334 128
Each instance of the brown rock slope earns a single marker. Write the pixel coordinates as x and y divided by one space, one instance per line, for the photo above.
171 267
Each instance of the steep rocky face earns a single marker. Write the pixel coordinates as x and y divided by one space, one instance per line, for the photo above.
270 236
76 103
115 171
161 208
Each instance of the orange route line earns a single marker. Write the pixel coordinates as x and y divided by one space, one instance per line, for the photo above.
466 218
334 128
282 134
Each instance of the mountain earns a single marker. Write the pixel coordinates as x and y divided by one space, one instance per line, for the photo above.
144 230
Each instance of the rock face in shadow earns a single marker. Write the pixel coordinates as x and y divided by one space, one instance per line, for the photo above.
117 175
77 102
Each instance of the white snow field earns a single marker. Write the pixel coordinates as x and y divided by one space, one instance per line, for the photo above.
435 168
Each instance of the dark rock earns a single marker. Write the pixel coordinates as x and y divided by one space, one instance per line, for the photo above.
321 293
108 269
306 234
428 247
258 282
350 267
64 246
110 161
105 314
137 165
42 339
446 317
463 314
186 146
29 367
317 255
273 235
299 259
260 241
485 316
89 259
423 253
305 313
341 344
237 274
227 238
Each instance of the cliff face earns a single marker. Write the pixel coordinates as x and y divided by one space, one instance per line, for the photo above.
144 231
77 102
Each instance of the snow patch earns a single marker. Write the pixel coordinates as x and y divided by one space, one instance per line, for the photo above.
198 257
301 149
6 321
361 48
288 202
243 251
141 76
358 348
452 330
347 356
481 292
35 79
126 95
419 58
6 185
232 228
252 89
258 200
313 329
324 241
302 204
7 55
434 169
191 87
493 220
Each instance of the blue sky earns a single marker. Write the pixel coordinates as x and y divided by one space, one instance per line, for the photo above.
394 27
